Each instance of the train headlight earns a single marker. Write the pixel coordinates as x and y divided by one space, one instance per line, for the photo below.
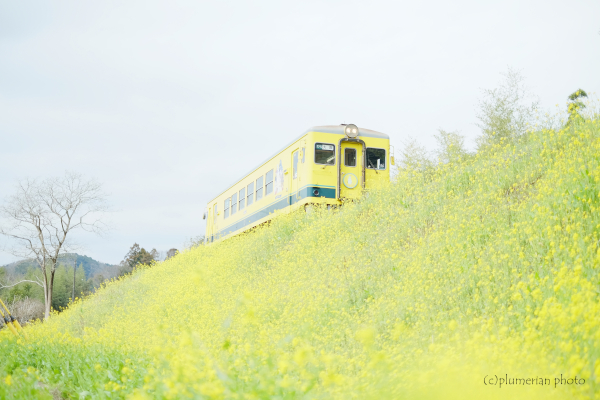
351 131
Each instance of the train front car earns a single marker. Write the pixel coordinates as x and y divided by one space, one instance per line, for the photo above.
345 161
325 165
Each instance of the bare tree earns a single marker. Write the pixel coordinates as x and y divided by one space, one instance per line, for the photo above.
40 216
25 310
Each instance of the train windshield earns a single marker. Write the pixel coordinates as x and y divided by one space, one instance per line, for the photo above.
376 158
324 154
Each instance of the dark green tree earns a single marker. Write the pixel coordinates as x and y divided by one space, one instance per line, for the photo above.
575 105
172 253
137 256
63 287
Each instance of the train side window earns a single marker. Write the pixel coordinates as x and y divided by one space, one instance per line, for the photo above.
242 198
226 208
324 154
250 193
269 183
375 158
295 167
233 203
259 188
350 157
303 154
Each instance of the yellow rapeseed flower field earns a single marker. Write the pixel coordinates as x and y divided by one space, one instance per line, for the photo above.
474 280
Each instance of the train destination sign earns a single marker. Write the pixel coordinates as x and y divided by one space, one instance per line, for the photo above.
324 147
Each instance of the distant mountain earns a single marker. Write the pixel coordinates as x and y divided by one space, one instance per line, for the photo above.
90 266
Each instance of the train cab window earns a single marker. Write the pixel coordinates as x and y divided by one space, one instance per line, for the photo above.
233 203
295 166
375 158
350 157
226 208
259 188
250 193
242 198
324 154
269 183
303 154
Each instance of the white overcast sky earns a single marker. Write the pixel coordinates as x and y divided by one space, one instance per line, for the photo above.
168 102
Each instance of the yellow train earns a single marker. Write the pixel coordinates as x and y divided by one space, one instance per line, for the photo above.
325 165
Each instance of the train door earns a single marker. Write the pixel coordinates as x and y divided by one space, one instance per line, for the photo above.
215 219
351 170
294 177
211 223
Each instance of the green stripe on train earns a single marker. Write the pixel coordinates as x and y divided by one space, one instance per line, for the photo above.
307 191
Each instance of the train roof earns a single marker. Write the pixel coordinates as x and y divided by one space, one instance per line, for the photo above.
335 129
339 129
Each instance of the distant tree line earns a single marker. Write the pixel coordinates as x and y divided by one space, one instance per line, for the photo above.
26 299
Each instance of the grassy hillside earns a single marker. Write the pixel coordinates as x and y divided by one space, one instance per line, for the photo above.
487 267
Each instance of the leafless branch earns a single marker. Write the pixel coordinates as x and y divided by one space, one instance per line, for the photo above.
2 286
